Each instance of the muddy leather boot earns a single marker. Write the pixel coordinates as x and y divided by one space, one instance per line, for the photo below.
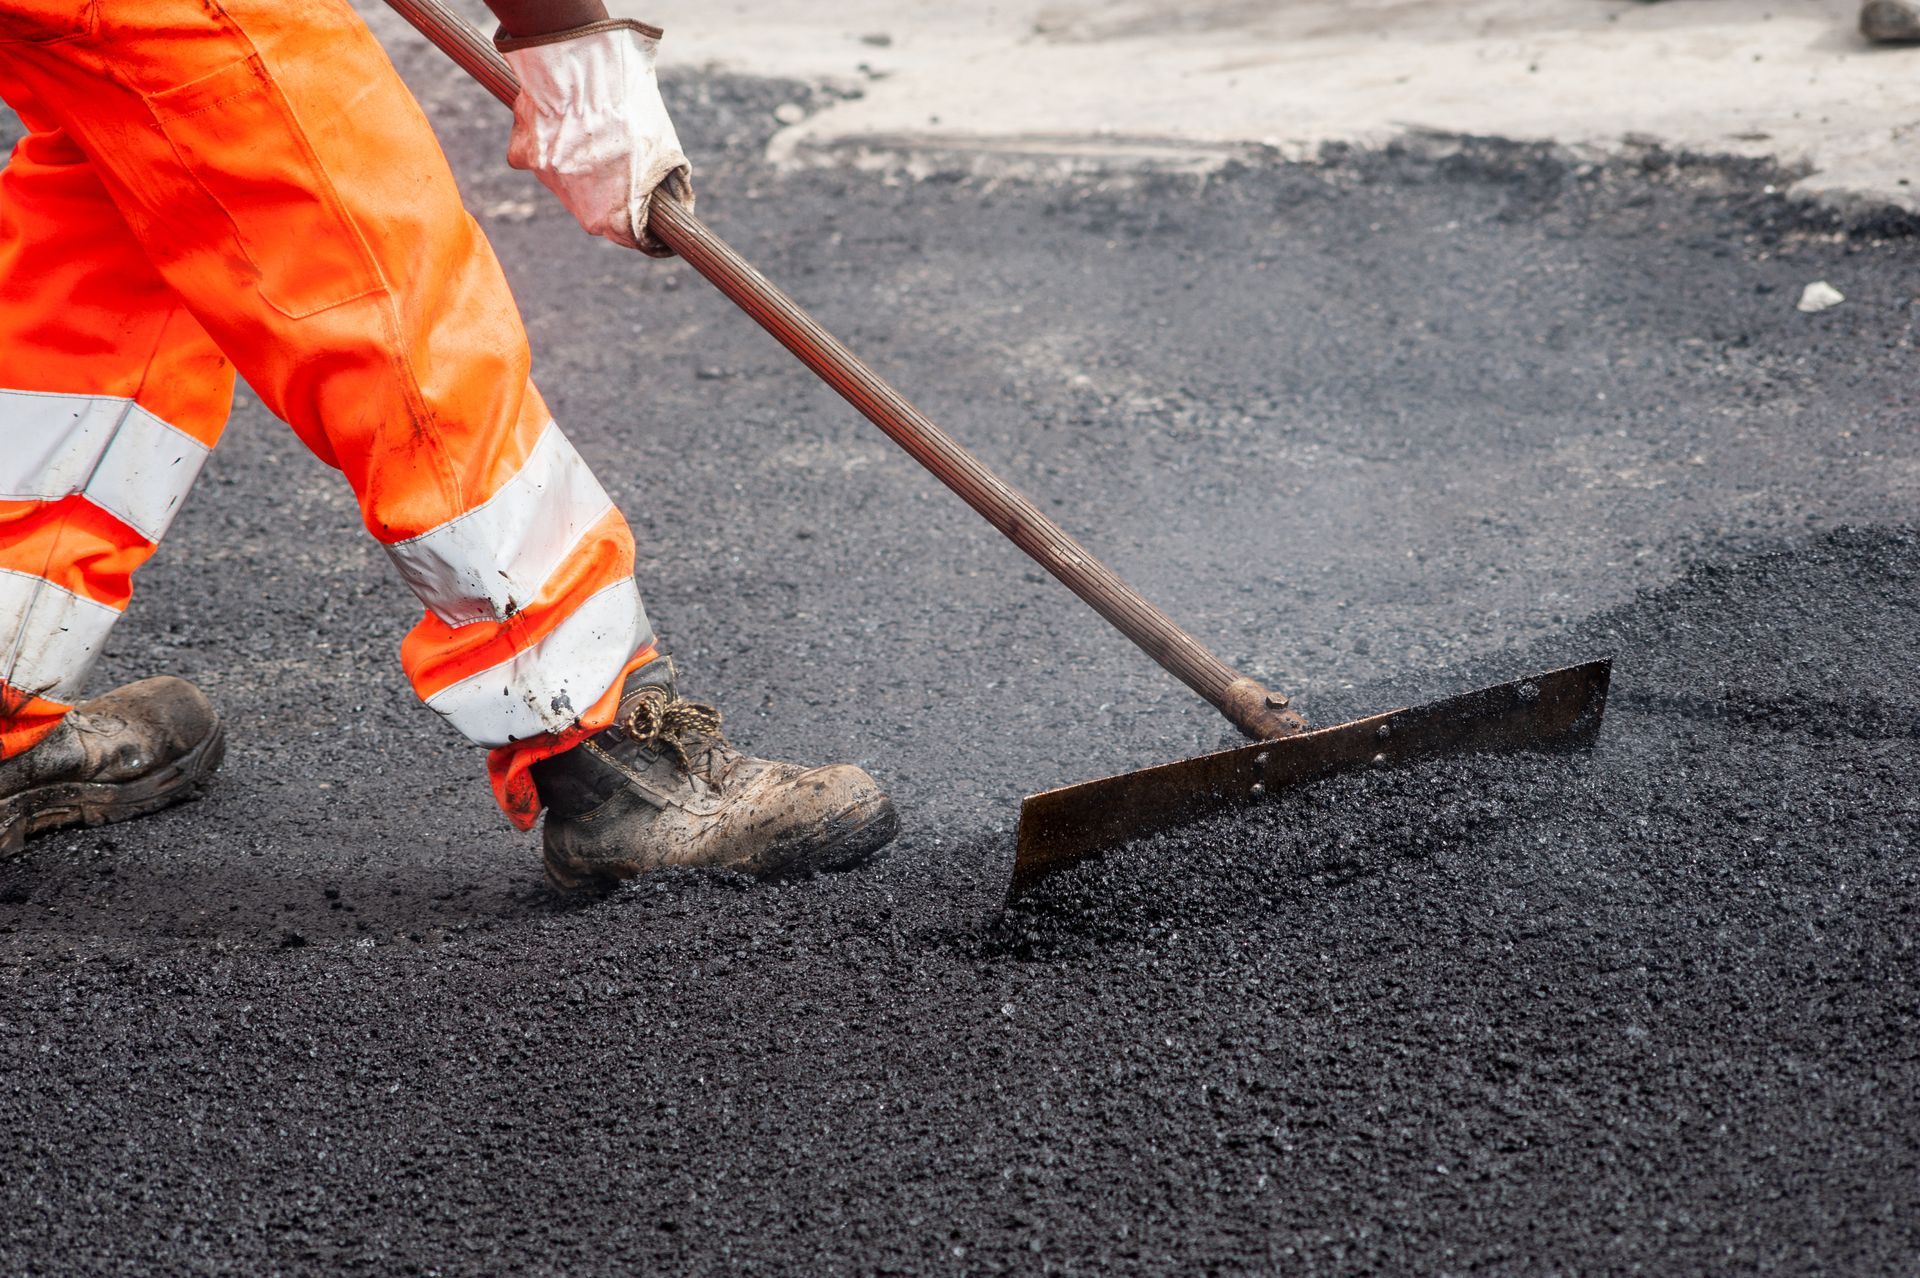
662 789
1890 21
132 752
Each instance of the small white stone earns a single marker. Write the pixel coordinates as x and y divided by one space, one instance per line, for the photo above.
789 113
1819 296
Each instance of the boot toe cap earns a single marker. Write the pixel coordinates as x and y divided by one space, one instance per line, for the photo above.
177 714
851 819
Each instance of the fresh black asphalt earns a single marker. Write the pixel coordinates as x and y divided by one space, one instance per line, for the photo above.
1382 428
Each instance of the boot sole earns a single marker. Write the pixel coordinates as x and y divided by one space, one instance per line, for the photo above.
848 842
88 803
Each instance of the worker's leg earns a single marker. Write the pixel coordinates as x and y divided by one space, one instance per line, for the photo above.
111 396
288 188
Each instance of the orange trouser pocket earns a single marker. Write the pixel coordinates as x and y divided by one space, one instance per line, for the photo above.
233 132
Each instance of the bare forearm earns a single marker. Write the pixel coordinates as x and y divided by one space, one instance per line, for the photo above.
537 17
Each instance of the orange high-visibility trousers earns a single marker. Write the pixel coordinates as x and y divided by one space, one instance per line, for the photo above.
219 185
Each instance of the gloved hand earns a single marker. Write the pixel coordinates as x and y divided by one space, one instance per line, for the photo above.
590 124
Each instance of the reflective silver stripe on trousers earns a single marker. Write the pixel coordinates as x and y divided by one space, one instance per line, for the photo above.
118 455
546 687
492 561
49 637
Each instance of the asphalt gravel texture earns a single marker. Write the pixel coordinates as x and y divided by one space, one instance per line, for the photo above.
1382 428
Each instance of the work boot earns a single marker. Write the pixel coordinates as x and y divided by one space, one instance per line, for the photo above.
662 789
1890 21
132 752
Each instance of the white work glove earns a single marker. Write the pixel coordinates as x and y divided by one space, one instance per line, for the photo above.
590 124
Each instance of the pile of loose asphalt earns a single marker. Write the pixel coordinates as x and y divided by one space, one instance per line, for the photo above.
1384 427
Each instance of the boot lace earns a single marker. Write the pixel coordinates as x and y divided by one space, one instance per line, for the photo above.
688 732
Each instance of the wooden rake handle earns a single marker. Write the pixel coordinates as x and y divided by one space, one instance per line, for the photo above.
1252 708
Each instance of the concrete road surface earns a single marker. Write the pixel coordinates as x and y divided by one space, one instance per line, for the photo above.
1024 84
